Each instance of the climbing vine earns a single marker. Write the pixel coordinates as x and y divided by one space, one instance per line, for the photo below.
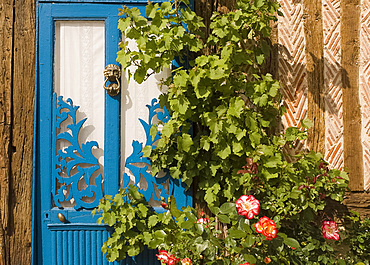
224 137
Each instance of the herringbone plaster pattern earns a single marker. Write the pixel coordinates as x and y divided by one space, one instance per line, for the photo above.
292 72
365 87
333 80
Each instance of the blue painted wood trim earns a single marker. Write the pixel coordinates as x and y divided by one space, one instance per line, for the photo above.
44 123
79 227
112 113
123 2
35 252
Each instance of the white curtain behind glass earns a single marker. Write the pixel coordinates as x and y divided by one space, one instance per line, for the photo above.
135 97
78 74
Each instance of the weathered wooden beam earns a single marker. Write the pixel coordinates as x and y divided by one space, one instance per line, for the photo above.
6 48
350 51
314 49
20 201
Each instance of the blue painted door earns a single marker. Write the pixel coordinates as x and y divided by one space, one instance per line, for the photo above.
72 169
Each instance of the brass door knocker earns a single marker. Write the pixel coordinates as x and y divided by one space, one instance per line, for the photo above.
112 73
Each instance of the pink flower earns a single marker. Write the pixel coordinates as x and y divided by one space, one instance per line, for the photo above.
329 230
163 256
248 206
186 261
266 227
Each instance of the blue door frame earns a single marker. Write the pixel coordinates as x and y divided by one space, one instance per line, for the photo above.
80 236
49 231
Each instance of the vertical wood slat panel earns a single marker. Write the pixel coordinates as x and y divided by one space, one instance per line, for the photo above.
94 248
83 247
105 238
65 252
76 248
350 33
53 248
88 253
82 252
70 248
59 248
99 242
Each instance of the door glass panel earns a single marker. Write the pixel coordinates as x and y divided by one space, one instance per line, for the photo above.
139 110
78 75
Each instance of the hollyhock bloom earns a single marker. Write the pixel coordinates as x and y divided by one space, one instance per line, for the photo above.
267 260
163 256
329 230
248 206
186 261
266 227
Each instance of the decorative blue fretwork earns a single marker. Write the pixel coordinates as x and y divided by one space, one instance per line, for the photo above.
75 166
139 165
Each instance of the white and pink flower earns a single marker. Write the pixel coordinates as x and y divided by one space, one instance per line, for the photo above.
329 230
248 206
203 220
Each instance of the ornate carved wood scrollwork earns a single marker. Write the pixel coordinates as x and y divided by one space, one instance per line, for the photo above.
139 166
76 176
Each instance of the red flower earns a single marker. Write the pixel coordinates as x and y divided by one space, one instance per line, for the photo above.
173 260
247 263
163 256
186 261
248 206
329 230
164 205
266 227
267 260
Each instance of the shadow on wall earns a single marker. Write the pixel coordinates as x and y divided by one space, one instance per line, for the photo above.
326 85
